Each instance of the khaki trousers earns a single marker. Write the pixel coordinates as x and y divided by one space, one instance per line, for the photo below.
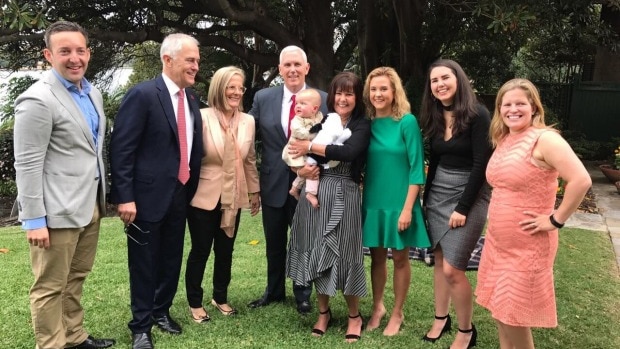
59 274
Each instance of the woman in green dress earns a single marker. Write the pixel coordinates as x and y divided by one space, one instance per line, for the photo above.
392 214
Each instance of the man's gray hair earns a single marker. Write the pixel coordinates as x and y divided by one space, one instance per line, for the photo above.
293 48
173 43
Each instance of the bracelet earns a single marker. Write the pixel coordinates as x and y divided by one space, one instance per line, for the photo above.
555 223
310 147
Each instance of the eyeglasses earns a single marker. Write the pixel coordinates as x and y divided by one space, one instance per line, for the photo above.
241 89
127 232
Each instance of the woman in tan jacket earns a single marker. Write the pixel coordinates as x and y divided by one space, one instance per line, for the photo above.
228 182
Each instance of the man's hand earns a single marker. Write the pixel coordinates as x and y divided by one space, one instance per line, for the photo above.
39 237
127 212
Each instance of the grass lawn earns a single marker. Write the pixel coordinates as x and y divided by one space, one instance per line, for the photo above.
587 287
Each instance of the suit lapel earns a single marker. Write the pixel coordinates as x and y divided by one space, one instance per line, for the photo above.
64 98
213 126
277 113
166 103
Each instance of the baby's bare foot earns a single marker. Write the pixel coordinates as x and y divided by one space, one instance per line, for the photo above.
314 201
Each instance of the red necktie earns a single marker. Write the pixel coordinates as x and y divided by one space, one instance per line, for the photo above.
184 165
291 115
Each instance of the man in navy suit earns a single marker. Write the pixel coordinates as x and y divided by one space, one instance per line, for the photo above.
155 154
272 109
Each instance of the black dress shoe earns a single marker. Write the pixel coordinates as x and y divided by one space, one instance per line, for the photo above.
167 324
304 307
93 343
142 341
261 302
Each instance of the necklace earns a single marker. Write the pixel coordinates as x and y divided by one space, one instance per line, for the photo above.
345 122
448 107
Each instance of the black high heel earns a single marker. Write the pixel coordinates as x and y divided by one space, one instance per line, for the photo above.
446 328
474 336
355 336
319 332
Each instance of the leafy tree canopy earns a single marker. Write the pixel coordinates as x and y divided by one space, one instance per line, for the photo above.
484 36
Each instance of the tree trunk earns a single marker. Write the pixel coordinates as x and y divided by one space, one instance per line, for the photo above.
607 63
411 67
317 38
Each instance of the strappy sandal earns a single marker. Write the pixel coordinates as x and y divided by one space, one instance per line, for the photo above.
318 332
355 337
474 336
447 326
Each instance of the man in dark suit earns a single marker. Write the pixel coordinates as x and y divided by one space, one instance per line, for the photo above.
60 175
273 108
155 154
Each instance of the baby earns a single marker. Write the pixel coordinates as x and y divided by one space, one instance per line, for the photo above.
307 115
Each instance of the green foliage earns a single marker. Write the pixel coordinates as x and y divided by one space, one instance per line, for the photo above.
111 103
19 15
584 148
146 63
551 39
14 88
8 189
7 158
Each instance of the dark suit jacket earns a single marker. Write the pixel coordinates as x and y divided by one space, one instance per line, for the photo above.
274 173
144 150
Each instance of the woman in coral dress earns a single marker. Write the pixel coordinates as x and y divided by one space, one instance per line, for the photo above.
515 278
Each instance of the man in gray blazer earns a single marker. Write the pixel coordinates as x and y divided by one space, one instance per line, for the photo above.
272 110
59 137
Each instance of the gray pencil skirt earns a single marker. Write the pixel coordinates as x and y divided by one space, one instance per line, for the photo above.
456 244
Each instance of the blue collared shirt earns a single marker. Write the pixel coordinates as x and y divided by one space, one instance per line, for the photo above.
83 101
87 108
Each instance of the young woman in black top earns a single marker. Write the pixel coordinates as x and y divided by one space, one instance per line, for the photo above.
456 196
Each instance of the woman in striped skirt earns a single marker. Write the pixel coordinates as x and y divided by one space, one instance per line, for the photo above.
325 247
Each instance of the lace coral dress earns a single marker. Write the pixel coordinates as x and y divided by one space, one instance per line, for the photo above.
515 278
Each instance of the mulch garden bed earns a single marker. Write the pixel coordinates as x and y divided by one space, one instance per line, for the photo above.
588 205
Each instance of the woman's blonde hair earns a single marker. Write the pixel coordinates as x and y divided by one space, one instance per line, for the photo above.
498 129
217 89
400 104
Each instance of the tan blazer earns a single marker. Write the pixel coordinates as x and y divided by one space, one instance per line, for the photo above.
211 174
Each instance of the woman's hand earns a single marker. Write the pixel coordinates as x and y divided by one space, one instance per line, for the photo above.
456 220
404 221
297 148
307 172
538 223
254 203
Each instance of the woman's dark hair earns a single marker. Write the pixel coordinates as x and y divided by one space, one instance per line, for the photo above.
464 105
346 82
